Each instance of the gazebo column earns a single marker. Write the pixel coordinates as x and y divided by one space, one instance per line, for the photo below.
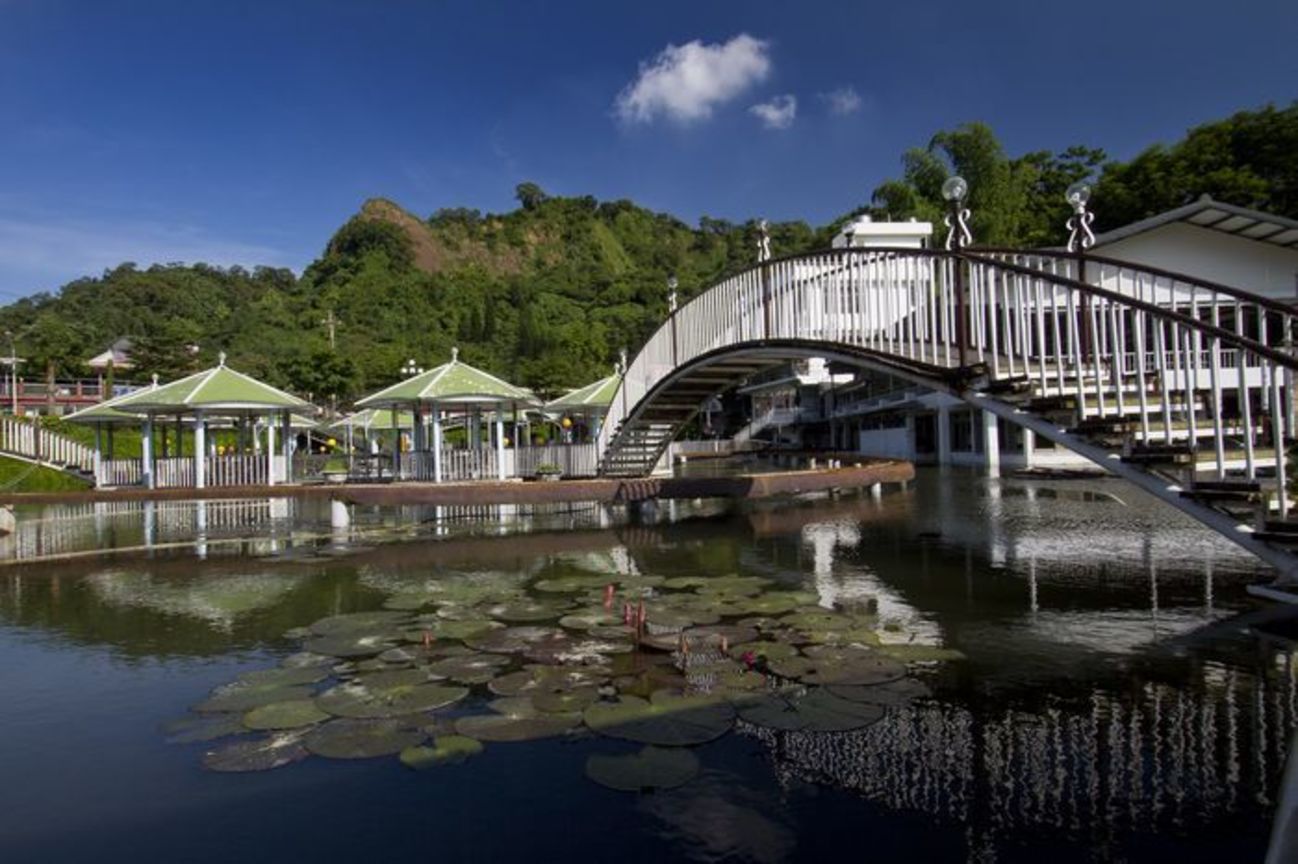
99 452
500 445
396 443
270 451
286 430
437 444
200 452
146 452
418 444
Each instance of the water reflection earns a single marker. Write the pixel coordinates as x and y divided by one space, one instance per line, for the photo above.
1115 693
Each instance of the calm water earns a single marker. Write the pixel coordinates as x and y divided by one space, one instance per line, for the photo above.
1119 697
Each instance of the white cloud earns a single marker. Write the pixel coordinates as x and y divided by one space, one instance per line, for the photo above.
844 100
778 113
43 255
686 82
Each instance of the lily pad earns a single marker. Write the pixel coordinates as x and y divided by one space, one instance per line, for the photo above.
294 714
893 693
283 677
442 628
666 720
516 719
361 739
446 749
470 668
588 618
816 711
306 658
388 694
652 768
263 754
351 645
244 697
512 640
521 611
567 701
571 584
920 653
203 727
850 666
355 623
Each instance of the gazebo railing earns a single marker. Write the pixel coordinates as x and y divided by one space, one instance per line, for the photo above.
243 470
573 460
120 472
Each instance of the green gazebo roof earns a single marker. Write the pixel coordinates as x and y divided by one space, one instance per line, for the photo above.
216 391
108 410
451 383
598 395
374 418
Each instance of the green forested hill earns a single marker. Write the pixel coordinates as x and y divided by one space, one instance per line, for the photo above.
548 293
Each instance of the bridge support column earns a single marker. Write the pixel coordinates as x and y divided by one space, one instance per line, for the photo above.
991 443
943 435
500 446
1029 447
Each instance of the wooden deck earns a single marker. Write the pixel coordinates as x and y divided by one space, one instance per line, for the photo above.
613 491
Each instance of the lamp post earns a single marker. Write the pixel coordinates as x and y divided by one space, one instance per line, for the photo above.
13 362
954 190
1080 239
671 312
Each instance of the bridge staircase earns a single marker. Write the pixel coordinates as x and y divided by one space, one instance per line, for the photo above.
29 442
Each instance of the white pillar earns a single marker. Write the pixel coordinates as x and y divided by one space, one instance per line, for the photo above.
1029 448
200 453
146 453
99 453
943 435
437 444
500 446
286 431
270 451
991 443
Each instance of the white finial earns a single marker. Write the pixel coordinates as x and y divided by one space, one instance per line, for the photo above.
220 359
622 355
763 241
455 354
155 379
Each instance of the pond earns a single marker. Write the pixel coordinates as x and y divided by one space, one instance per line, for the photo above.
968 669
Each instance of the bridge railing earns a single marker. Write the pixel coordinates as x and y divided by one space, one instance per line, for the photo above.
1146 347
30 440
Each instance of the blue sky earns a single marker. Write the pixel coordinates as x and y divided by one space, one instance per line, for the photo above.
246 132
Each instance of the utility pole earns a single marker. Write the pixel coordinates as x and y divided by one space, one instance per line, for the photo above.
332 323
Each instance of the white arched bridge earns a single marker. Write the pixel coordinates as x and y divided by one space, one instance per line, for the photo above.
1182 386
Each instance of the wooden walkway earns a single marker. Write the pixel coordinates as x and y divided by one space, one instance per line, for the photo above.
611 490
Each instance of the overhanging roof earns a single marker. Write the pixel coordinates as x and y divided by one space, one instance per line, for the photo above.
1217 216
451 383
598 395
217 391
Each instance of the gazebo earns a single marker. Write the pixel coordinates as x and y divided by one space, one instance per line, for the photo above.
105 417
589 403
450 387
217 394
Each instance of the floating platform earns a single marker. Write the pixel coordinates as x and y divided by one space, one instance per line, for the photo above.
603 490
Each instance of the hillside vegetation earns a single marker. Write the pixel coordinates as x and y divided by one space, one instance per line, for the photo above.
547 294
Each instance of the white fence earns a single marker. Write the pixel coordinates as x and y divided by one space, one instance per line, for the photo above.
31 441
572 460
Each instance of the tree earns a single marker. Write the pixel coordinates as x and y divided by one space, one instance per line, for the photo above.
529 195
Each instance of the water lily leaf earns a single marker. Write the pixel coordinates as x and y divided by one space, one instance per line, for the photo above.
361 739
389 694
774 603
354 644
531 679
764 648
306 658
263 754
354 623
569 701
733 586
283 677
666 720
463 629
680 582
571 584
512 640
293 714
203 727
521 611
817 619
516 719
848 665
446 749
891 694
588 618
469 669
816 711
652 768
244 697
